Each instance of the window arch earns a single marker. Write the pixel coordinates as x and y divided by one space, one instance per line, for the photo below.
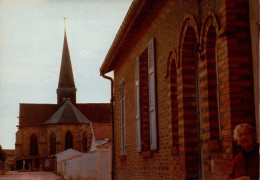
53 143
33 145
189 106
85 142
210 88
174 108
173 95
213 96
68 140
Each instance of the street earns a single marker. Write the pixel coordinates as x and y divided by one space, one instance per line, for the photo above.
38 175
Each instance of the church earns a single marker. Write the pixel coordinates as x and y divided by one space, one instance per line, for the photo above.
47 129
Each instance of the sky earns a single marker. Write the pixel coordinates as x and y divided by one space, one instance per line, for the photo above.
31 42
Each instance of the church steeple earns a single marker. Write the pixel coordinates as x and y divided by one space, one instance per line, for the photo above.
66 87
66 73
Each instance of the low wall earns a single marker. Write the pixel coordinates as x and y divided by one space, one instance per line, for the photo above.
94 165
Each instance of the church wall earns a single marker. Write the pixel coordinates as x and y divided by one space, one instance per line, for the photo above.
43 134
18 143
60 132
26 134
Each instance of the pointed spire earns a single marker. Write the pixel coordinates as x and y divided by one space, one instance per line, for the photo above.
66 87
66 73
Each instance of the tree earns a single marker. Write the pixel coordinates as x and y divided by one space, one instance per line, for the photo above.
2 154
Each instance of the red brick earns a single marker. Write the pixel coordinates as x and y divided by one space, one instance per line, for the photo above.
169 29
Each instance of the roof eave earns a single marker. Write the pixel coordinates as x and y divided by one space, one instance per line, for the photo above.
129 20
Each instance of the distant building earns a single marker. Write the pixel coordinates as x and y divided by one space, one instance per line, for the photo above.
47 129
10 156
101 135
96 164
185 74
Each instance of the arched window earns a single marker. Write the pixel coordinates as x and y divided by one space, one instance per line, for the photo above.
213 95
68 140
174 107
190 104
53 143
85 142
33 145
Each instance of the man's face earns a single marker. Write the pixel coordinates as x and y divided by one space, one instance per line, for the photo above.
245 138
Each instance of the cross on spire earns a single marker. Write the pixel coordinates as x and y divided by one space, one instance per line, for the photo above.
66 86
65 23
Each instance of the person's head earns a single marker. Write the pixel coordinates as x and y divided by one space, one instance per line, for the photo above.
244 135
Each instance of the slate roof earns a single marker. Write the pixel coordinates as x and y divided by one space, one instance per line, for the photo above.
96 112
102 130
67 114
37 114
10 154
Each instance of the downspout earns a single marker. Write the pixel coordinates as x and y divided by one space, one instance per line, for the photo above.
112 120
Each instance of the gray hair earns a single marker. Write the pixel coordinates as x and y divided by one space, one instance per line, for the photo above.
235 135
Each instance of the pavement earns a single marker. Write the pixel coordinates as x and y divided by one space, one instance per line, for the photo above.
35 175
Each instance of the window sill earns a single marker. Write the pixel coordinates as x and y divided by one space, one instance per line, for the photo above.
122 157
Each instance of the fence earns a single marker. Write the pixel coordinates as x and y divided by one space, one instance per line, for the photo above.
91 166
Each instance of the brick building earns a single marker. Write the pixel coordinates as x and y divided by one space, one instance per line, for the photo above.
9 159
47 129
185 74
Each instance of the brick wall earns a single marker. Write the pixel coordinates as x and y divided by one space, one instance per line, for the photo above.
201 47
43 135
255 38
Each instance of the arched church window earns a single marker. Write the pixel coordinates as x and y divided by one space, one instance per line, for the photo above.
85 142
68 140
53 144
33 145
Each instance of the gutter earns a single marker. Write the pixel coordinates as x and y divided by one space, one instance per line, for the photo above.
112 120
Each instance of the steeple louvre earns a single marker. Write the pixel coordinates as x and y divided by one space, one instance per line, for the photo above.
66 87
